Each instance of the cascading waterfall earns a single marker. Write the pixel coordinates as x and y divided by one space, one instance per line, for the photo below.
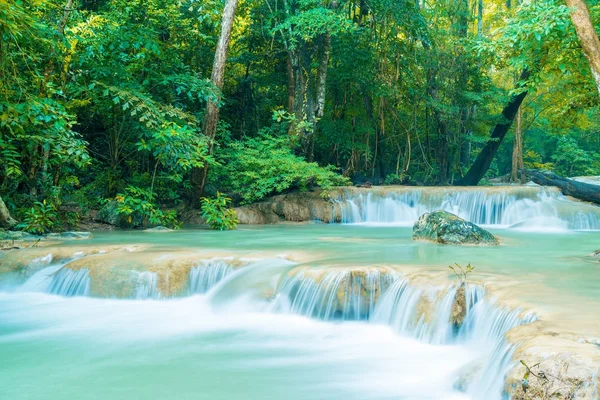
344 295
422 313
534 208
419 313
68 282
372 295
207 274
147 285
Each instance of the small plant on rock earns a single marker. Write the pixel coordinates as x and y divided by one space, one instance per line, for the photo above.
461 272
218 214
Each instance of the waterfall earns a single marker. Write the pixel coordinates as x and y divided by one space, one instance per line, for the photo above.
207 274
335 294
419 313
382 296
147 286
521 208
68 282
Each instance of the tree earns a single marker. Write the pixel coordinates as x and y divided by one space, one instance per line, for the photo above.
588 37
487 154
6 221
211 117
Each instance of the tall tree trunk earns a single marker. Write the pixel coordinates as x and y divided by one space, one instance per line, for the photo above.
322 75
587 36
63 21
6 221
517 156
211 118
484 159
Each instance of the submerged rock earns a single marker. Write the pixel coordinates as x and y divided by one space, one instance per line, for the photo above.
446 228
17 235
159 228
70 235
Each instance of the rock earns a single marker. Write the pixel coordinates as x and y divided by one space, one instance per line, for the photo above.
294 207
459 306
158 229
566 367
18 235
119 274
446 228
70 235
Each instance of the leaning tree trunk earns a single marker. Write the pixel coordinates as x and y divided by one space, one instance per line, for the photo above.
6 221
211 117
517 156
568 187
484 159
587 36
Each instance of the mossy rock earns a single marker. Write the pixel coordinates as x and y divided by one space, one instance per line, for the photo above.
446 228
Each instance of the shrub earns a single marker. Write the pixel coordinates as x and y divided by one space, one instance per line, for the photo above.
40 218
218 214
263 166
136 208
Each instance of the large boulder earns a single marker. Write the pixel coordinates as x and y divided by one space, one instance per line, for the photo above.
447 228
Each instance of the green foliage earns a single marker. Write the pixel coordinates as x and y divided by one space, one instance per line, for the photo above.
570 160
218 214
39 219
117 100
259 167
136 208
533 160
395 179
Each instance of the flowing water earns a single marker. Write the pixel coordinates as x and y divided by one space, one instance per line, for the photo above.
527 208
363 312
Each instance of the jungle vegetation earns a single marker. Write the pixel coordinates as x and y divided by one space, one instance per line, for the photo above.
155 104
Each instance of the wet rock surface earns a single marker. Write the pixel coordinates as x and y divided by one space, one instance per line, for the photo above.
459 306
560 366
295 207
446 228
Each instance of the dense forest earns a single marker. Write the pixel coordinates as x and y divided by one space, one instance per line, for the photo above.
155 104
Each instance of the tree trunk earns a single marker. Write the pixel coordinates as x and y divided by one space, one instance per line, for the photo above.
211 118
63 21
484 159
587 36
568 187
517 156
322 75
6 221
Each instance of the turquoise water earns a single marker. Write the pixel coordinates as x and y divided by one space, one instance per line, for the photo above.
55 347
559 260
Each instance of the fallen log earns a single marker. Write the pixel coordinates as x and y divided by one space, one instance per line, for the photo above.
568 187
